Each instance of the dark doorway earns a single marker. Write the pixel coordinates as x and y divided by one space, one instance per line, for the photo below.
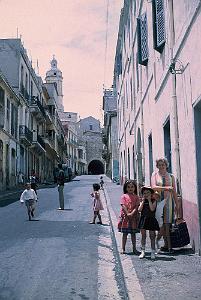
95 167
167 144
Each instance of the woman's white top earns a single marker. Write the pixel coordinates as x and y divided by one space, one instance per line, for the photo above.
28 194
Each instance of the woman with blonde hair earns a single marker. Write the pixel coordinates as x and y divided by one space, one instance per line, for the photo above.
164 183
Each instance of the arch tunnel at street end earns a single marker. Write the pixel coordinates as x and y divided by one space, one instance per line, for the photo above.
95 167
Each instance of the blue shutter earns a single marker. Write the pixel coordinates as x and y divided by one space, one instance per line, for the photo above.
158 24
119 64
142 31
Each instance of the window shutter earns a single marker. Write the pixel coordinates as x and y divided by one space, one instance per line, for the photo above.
158 24
143 51
119 64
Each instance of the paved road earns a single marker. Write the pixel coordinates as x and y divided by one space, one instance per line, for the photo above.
59 255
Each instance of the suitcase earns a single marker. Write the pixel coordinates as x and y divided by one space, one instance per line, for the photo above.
179 235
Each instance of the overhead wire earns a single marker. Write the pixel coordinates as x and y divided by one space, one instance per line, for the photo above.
106 42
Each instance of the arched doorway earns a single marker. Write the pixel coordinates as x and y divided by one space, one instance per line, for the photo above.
95 167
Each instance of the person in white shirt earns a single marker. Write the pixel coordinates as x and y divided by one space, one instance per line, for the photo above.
29 197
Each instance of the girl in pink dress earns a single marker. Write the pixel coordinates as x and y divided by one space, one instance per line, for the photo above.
129 214
97 204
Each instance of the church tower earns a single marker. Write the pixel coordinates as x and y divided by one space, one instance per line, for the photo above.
55 75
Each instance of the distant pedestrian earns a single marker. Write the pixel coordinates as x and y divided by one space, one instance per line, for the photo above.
20 178
129 214
29 197
33 180
60 183
97 203
101 182
147 220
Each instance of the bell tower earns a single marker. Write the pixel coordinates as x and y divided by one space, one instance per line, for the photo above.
54 75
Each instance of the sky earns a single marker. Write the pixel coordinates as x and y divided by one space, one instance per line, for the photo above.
75 32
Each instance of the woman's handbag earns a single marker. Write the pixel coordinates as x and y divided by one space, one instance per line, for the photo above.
179 235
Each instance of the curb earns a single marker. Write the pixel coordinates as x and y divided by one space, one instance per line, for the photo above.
131 281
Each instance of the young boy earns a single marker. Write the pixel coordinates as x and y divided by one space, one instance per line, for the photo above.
29 197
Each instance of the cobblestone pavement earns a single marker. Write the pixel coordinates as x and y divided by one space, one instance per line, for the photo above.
175 276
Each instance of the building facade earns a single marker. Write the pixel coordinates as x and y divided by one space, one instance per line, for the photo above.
9 137
89 131
158 91
30 127
109 135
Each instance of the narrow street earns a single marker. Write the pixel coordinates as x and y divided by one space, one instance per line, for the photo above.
58 255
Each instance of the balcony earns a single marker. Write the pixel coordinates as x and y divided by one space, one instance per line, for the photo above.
60 139
24 92
49 119
50 146
26 136
37 109
38 143
72 142
82 160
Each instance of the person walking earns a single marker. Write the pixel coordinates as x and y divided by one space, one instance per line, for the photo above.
101 182
97 203
60 183
33 180
164 183
129 214
21 178
148 221
29 197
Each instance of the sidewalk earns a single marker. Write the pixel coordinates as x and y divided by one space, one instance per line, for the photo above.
175 276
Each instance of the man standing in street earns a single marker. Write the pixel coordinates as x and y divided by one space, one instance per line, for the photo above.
60 182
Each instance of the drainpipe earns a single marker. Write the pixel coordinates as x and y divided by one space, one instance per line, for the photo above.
175 108
125 144
142 130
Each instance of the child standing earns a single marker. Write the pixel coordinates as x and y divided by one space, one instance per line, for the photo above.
129 213
101 182
147 220
29 197
97 205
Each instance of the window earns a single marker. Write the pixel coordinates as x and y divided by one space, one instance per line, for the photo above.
119 64
22 80
26 82
142 32
150 155
158 24
8 115
2 107
131 93
167 144
13 161
14 120
90 127
31 89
